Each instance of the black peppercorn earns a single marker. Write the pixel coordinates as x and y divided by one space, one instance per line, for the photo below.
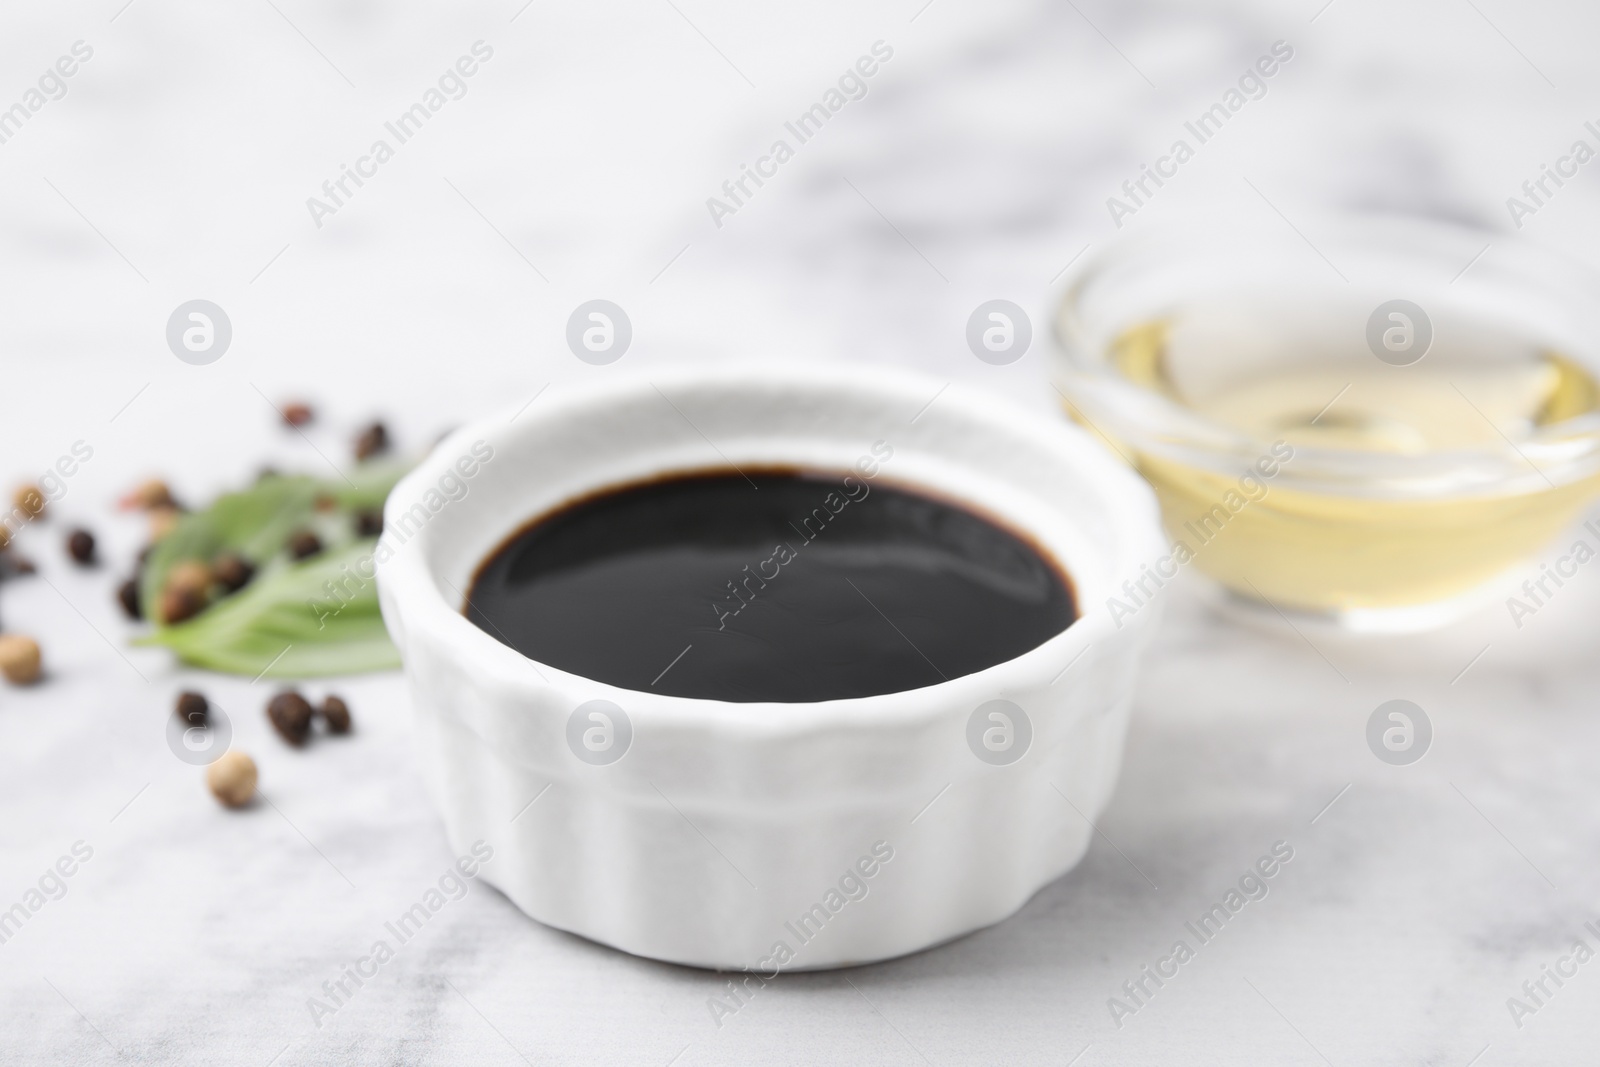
233 571
290 716
80 546
336 713
373 440
128 595
303 544
193 708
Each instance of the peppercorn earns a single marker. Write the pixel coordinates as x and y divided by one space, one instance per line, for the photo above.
149 494
336 713
369 522
297 413
19 659
303 544
12 561
232 778
128 597
191 574
30 501
290 716
373 440
163 519
193 708
178 605
80 546
233 571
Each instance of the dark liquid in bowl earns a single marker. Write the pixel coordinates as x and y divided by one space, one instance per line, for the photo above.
772 585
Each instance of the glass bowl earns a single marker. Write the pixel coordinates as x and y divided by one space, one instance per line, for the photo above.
1372 419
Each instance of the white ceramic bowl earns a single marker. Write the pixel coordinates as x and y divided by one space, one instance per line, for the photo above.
723 825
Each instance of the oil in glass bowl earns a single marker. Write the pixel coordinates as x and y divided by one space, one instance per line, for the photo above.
1326 448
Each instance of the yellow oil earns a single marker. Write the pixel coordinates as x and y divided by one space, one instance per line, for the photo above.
1321 551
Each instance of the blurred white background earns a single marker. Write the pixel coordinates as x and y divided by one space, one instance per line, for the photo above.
578 164
179 163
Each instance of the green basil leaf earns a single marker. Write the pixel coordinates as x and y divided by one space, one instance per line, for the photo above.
280 626
257 522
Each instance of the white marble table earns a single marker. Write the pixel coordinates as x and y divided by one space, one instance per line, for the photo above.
577 165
